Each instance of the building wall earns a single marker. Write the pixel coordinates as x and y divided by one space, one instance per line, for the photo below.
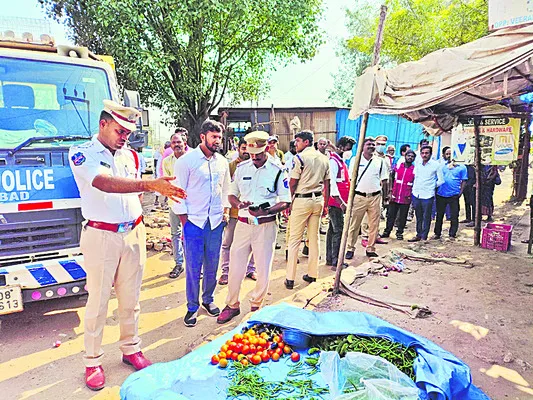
322 123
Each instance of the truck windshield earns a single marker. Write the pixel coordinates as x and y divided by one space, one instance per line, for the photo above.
41 98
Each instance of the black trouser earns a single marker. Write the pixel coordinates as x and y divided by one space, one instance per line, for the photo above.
467 196
334 235
400 210
442 202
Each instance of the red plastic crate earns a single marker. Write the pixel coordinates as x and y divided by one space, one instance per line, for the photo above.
496 237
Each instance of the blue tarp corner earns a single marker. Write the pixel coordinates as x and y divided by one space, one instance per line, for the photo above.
439 374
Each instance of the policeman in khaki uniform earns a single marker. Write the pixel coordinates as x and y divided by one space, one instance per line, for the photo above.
113 239
309 186
259 190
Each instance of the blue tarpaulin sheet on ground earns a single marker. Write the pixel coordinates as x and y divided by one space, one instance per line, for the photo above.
439 374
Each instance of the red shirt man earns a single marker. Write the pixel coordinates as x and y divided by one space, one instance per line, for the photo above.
401 195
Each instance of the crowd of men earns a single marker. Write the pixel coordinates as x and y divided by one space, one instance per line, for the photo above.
225 215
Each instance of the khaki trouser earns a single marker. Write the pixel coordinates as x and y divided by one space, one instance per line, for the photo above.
305 212
361 206
109 258
261 241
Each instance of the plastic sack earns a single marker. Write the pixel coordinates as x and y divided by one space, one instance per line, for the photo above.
374 378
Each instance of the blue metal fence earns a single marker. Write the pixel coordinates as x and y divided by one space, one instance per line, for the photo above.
398 130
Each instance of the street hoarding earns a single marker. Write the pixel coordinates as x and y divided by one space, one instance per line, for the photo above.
499 139
507 13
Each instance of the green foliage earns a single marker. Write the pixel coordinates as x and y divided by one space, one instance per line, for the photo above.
414 28
185 56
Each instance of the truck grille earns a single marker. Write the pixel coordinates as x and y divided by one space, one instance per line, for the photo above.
40 231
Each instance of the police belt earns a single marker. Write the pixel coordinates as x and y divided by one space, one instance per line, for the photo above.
316 194
122 227
367 194
260 221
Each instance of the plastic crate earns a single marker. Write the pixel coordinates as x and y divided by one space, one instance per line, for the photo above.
496 237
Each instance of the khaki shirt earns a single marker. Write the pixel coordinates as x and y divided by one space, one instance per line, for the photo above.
313 173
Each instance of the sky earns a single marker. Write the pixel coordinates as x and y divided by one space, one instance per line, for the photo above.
301 84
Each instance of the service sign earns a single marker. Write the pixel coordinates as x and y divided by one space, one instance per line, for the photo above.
31 183
499 139
506 13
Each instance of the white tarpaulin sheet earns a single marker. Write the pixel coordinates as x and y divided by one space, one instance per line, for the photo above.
471 79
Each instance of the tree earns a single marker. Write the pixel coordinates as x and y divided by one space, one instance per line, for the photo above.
186 56
413 28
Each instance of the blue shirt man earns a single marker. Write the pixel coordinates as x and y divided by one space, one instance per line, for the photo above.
449 193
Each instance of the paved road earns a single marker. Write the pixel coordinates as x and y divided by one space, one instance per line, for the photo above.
31 368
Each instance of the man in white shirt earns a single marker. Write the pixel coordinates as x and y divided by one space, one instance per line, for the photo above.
176 230
260 190
373 173
205 173
428 177
289 155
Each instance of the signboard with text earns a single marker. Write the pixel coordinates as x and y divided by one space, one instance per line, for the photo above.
507 13
499 139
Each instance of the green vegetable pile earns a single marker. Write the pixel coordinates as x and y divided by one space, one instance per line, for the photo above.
246 381
396 353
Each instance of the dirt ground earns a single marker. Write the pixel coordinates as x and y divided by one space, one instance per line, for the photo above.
481 314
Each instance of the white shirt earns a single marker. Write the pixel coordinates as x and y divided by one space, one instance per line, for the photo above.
257 184
142 163
427 178
206 181
91 159
288 160
370 182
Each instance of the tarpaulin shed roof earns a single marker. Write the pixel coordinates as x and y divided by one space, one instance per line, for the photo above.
472 79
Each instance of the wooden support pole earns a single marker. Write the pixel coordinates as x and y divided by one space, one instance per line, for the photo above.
477 161
357 160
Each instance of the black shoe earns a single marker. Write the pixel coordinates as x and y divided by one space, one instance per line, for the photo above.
349 255
399 236
309 279
289 284
305 251
177 271
211 309
371 254
329 263
323 232
191 318
415 239
278 246
435 237
465 221
385 234
286 255
453 236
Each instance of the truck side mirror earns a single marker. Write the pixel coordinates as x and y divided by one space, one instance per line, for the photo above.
132 99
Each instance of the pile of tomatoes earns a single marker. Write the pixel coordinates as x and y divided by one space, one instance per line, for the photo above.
252 347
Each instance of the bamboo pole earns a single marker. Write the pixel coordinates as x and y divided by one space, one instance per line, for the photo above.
477 217
353 180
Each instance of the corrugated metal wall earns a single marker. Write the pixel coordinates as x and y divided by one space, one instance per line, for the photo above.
398 130
322 123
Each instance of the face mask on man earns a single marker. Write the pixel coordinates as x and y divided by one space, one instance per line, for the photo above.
380 148
347 155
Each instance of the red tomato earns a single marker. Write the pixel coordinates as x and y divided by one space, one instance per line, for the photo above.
232 346
245 342
234 356
221 355
277 339
256 360
245 362
238 337
295 357
229 353
270 352
238 347
223 363
279 351
245 349
259 348
253 349
265 357
281 344
262 342
275 357
215 359
287 350
224 348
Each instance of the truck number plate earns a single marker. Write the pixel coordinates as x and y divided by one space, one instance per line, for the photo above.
10 299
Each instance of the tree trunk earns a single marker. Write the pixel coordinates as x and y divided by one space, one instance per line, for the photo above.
193 125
